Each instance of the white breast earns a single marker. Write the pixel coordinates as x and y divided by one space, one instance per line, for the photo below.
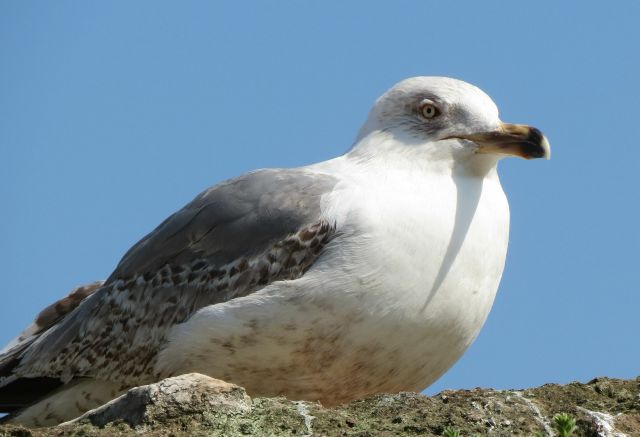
433 259
394 302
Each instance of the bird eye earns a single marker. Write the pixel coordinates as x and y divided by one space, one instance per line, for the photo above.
429 110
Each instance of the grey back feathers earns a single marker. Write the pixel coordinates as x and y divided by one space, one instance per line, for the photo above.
236 218
231 240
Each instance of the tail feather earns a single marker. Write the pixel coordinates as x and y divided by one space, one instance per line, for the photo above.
17 391
67 402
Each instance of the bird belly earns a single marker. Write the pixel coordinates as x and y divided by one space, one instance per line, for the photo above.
361 321
316 350
326 350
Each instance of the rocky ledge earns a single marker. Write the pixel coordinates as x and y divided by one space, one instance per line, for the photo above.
197 405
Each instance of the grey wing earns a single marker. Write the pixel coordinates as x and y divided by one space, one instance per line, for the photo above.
237 218
229 241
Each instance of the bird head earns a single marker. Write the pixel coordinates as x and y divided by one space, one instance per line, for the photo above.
445 118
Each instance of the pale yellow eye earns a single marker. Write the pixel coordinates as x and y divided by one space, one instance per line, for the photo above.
429 110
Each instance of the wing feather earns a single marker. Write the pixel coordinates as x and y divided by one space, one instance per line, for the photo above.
231 240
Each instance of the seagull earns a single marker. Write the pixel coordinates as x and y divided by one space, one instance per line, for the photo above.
371 272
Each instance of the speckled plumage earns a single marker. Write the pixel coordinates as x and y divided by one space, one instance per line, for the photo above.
119 341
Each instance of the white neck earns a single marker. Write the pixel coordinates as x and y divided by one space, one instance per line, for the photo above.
406 152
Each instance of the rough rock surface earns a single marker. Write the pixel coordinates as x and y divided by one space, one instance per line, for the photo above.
197 405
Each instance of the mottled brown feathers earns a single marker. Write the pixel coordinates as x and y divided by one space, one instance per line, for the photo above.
56 311
121 337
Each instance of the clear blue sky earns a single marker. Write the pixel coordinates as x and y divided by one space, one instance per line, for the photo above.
115 114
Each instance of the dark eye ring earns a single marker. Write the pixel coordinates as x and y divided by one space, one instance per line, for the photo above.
429 110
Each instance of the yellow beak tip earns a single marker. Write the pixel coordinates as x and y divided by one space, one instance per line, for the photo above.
546 147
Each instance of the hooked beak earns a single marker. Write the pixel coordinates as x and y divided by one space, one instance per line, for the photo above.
512 139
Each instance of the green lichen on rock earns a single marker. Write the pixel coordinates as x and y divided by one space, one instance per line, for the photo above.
197 405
